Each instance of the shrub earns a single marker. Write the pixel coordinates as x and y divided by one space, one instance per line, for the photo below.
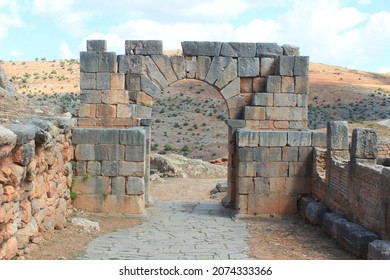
185 148
168 147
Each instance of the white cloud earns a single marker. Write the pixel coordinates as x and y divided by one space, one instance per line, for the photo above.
65 52
16 53
364 2
51 7
384 69
9 16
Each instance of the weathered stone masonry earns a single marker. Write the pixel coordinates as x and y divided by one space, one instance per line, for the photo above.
265 87
35 182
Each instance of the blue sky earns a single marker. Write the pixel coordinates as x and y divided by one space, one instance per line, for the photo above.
351 33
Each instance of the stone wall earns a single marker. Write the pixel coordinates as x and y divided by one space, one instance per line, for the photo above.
35 182
274 169
111 168
357 182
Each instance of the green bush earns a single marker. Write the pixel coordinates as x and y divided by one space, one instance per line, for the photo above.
168 147
185 148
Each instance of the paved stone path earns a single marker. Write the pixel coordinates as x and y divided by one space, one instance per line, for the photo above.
177 231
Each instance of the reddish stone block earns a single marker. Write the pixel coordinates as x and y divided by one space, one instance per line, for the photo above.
288 84
246 85
282 125
87 110
277 185
258 84
106 111
117 81
242 204
145 99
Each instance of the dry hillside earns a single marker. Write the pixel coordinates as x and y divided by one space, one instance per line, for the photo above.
189 114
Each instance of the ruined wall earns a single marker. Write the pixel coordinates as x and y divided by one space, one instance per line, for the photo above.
274 169
357 182
35 182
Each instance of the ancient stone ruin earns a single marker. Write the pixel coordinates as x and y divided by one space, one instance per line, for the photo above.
276 165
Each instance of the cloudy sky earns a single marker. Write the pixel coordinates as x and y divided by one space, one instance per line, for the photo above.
351 33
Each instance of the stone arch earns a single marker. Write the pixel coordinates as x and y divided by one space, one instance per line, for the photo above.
264 85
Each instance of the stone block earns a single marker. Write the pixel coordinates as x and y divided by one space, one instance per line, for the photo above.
364 143
275 154
262 186
87 80
149 87
132 64
246 85
290 50
331 224
297 169
247 169
254 113
90 96
228 75
268 50
144 112
135 186
267 66
247 138
81 168
273 138
302 85
301 66
261 154
231 89
285 66
118 186
85 136
164 65
143 47
303 203
248 66
299 138
7 137
235 123
356 238
235 49
337 135
245 154
23 154
273 84
305 154
85 152
126 111
117 81
191 66
262 99
24 133
94 168
135 153
245 185
108 136
285 100
272 169
379 250
277 185
133 82
272 204
288 84
318 139
302 100
89 62
218 65
179 66
107 62
201 48
242 204
290 154
105 111
296 186
115 97
93 185
315 212
203 66
133 169
110 168
154 73
133 137
280 125
109 152
298 125
87 110
96 45
258 84
103 81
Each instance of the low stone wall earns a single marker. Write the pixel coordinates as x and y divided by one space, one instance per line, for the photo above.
357 182
35 182
111 169
274 169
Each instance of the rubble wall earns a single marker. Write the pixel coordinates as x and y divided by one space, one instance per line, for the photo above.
35 182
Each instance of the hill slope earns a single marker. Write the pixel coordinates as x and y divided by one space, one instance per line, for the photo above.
189 114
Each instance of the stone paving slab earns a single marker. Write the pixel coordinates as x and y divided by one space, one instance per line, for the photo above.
177 231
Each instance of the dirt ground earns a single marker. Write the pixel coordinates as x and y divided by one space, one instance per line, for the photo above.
280 238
